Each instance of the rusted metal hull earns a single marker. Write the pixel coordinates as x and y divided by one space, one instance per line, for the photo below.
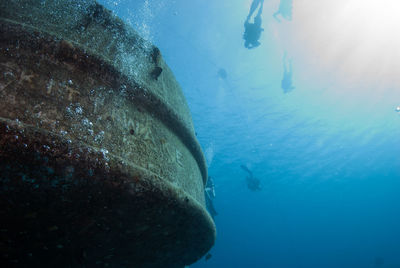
98 164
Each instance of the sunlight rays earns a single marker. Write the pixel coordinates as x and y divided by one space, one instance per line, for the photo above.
350 39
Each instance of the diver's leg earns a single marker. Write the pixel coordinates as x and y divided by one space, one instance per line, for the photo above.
285 69
291 73
247 170
284 60
253 7
261 8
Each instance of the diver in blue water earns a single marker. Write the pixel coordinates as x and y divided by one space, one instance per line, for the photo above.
285 10
252 182
209 193
287 83
252 31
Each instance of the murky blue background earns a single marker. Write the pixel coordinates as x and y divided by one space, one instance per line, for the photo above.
327 153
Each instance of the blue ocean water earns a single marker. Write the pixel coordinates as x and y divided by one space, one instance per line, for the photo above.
327 151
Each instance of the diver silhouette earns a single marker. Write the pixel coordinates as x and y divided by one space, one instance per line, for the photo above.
285 10
287 83
209 193
252 31
252 182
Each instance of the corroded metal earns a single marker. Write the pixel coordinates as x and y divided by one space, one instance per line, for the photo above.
99 163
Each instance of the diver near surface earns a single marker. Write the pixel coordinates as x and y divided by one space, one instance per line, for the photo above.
252 182
287 83
285 10
252 31
209 193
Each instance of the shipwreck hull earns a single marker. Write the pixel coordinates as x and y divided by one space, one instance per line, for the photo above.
99 163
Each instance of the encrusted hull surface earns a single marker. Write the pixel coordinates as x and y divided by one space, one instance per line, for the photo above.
99 164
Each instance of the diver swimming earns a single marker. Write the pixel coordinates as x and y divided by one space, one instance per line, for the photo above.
252 31
209 193
252 182
287 82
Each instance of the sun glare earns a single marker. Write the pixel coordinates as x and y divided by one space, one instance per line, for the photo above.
353 39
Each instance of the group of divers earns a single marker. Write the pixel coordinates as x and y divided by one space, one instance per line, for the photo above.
251 36
253 30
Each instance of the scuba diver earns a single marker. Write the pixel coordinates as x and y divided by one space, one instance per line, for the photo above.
252 31
287 83
285 10
209 193
252 182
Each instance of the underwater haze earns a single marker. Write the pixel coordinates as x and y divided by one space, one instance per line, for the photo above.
313 112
